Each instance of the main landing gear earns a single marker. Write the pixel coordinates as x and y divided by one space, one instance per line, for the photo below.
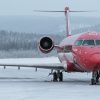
57 76
95 77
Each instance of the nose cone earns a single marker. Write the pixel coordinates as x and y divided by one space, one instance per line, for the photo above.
95 61
95 58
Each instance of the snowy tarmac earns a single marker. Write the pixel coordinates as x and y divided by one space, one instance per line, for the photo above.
26 84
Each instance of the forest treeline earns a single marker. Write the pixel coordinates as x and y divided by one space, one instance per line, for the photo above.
29 41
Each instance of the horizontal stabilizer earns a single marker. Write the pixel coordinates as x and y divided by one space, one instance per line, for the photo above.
62 11
66 11
46 11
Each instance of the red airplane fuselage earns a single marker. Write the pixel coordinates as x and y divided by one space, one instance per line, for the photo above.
77 53
81 52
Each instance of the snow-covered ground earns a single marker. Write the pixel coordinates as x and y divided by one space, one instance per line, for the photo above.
26 84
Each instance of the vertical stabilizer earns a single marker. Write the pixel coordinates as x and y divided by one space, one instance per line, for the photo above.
68 31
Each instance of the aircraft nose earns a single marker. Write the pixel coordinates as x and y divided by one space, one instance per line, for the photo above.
95 58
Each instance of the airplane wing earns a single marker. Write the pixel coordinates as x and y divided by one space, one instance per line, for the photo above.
45 63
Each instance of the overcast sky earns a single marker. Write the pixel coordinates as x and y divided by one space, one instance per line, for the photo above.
25 7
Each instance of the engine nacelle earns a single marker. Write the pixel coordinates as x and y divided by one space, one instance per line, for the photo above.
46 44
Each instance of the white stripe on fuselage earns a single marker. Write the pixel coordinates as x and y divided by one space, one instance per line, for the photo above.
68 56
65 57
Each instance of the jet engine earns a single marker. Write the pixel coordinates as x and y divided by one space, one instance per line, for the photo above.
46 44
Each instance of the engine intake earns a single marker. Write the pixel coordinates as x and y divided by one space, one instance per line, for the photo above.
46 44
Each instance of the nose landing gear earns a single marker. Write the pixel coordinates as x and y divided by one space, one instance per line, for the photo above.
95 77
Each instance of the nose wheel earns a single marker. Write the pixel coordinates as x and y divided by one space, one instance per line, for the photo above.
95 77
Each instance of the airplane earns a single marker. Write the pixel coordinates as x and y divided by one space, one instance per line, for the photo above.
76 53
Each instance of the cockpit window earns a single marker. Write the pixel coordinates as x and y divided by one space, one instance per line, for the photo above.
97 42
88 43
78 42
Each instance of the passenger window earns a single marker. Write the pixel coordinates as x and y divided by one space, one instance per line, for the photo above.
97 42
78 42
88 43
68 48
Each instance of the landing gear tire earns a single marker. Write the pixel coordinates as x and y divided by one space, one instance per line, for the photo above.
93 82
54 77
57 76
60 77
95 78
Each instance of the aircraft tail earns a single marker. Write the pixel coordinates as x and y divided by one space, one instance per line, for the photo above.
66 11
